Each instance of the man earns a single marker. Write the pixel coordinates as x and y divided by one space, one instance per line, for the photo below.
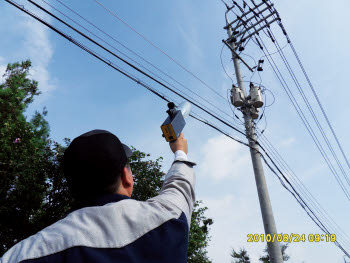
110 226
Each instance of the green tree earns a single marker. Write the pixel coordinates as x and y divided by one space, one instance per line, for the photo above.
266 258
22 144
240 257
199 235
147 175
243 257
33 190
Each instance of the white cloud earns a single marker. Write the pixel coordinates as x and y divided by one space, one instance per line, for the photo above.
234 217
34 44
2 68
189 34
223 157
39 50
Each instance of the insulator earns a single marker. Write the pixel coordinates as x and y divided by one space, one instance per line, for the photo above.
236 97
255 96
270 35
260 65
241 48
283 29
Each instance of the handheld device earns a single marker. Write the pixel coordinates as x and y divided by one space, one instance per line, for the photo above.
174 124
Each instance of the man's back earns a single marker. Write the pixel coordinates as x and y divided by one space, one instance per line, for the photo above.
119 229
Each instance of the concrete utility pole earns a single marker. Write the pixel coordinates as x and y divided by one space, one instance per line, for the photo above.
250 112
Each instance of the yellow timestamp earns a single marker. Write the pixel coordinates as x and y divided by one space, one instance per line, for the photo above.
289 238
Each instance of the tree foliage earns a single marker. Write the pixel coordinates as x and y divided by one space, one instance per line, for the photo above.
22 147
266 258
243 257
147 175
33 190
240 257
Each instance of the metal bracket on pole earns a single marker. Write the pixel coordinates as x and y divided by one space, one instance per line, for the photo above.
230 8
262 11
235 53
257 30
244 14
257 23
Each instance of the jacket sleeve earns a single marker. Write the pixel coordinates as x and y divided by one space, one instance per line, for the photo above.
178 188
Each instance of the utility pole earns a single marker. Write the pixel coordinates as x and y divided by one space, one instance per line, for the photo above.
249 105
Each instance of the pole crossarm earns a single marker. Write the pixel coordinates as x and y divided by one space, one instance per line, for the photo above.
252 17
257 23
258 30
243 15
237 56
233 38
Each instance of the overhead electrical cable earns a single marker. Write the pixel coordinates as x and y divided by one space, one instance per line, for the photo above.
279 50
303 117
222 64
132 53
305 192
159 49
314 116
136 68
302 113
314 92
295 194
320 105
337 243
107 62
319 146
305 121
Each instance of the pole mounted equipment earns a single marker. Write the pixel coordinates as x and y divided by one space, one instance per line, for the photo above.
237 98
249 106
255 96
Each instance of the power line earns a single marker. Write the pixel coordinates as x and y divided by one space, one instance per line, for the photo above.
110 64
129 64
290 70
314 93
319 103
159 49
301 115
306 123
268 155
222 64
146 86
288 170
132 53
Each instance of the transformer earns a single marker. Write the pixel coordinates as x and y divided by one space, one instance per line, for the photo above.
236 96
255 96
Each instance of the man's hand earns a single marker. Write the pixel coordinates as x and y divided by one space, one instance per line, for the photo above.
179 144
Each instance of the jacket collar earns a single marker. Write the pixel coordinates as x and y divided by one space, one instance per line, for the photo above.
102 200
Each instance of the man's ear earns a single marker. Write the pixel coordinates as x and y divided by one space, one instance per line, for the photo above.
126 178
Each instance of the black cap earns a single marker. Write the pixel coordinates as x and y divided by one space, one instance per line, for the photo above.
93 162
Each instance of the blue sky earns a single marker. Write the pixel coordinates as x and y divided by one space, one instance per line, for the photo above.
82 93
